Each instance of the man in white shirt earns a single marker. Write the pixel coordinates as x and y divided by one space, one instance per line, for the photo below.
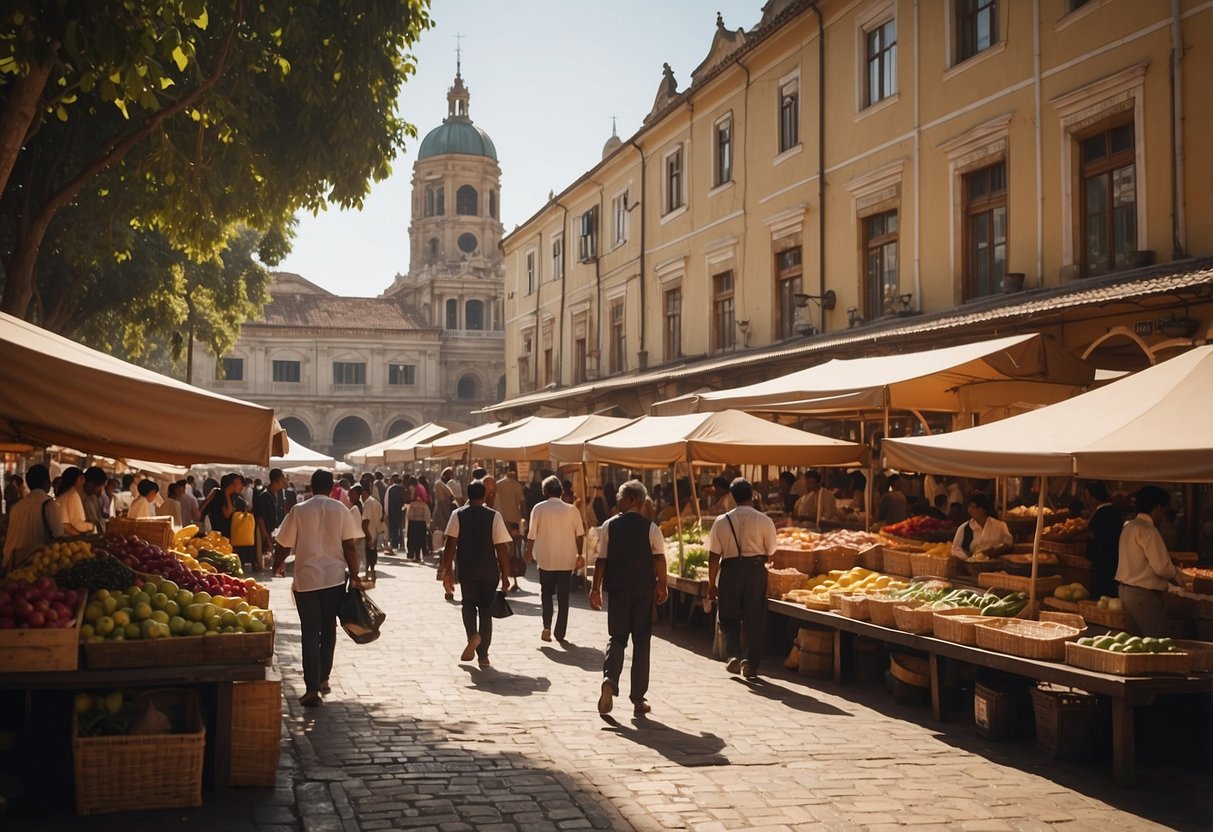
478 543
1145 568
70 498
554 538
982 533
738 547
817 504
322 533
372 524
34 520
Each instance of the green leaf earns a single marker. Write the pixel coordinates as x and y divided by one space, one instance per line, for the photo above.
180 58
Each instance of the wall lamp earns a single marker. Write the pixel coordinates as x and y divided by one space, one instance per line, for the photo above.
853 318
827 301
744 326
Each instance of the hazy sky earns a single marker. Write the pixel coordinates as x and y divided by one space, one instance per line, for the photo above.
545 78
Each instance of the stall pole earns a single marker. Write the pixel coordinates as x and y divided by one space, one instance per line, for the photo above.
1040 524
586 507
694 492
677 513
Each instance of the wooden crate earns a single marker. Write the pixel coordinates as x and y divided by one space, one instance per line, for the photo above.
52 648
256 732
180 651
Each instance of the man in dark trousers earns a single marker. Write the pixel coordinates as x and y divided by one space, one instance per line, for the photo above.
631 565
479 544
394 498
738 547
1103 549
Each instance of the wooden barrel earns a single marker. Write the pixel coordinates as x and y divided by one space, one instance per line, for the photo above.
816 652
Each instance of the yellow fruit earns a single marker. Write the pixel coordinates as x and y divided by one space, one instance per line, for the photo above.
195 612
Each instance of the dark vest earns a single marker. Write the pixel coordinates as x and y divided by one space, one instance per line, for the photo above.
629 554
475 555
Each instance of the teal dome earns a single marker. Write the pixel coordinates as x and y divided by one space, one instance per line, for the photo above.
457 135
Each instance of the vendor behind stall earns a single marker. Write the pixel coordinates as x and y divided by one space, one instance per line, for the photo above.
817 504
34 520
982 533
1103 549
1145 568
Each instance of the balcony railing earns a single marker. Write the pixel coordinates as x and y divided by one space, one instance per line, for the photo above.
473 333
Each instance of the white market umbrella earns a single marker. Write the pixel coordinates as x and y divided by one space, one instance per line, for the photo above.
301 455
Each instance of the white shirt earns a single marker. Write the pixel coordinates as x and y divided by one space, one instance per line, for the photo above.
755 533
140 507
500 533
26 529
656 541
555 526
456 488
315 529
993 534
189 507
372 512
1144 562
806 506
171 508
74 521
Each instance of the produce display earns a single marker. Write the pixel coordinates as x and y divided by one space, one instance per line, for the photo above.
95 573
1027 512
148 558
922 527
51 558
1107 602
34 605
940 595
1125 643
1069 530
857 581
797 538
1071 592
694 560
161 609
103 714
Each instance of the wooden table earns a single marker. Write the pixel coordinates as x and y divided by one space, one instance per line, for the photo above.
1126 692
693 588
220 677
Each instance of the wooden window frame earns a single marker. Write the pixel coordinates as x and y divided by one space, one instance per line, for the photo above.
789 115
672 322
974 209
724 311
884 57
878 243
1106 167
969 11
789 280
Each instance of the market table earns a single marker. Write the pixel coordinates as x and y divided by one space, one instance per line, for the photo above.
695 589
220 676
1126 692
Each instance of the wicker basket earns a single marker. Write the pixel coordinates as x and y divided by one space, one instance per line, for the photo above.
156 530
944 566
256 732
872 557
957 628
1060 605
836 596
1201 653
802 560
780 581
880 609
914 619
821 605
897 561
148 771
258 596
1002 580
1071 548
1113 619
1030 639
837 557
979 567
1068 722
854 606
1126 664
1070 619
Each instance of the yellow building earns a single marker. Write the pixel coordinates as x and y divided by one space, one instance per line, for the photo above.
857 176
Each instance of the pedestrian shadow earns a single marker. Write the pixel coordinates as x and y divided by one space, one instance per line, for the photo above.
767 689
491 680
586 658
679 747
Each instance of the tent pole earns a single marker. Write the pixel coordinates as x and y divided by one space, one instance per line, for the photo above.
1040 524
677 513
694 492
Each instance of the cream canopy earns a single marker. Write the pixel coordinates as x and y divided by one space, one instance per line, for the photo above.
59 392
401 445
299 455
531 439
456 444
951 379
730 437
1155 425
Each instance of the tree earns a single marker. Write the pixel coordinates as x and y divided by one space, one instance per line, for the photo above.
203 114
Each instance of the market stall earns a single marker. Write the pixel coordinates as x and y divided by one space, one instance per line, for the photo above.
401 443
450 446
301 456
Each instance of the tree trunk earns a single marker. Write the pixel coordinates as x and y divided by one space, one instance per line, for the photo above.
19 113
19 282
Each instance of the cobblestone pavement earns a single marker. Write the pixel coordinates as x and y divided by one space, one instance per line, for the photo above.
411 738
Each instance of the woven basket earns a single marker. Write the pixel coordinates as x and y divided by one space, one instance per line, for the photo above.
897 561
854 606
802 560
256 732
880 610
1060 605
872 557
836 596
1030 639
1070 619
942 566
781 581
837 557
258 596
1076 548
957 628
148 771
1201 653
1126 664
822 605
1018 583
1068 723
1113 619
155 530
979 567
914 619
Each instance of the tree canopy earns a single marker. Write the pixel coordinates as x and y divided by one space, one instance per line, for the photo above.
146 138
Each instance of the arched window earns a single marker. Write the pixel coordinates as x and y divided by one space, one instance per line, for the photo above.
398 427
465 201
468 389
441 201
473 315
429 201
433 249
452 314
297 430
351 432
493 203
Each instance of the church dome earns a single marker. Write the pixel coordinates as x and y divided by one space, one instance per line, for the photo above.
457 136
